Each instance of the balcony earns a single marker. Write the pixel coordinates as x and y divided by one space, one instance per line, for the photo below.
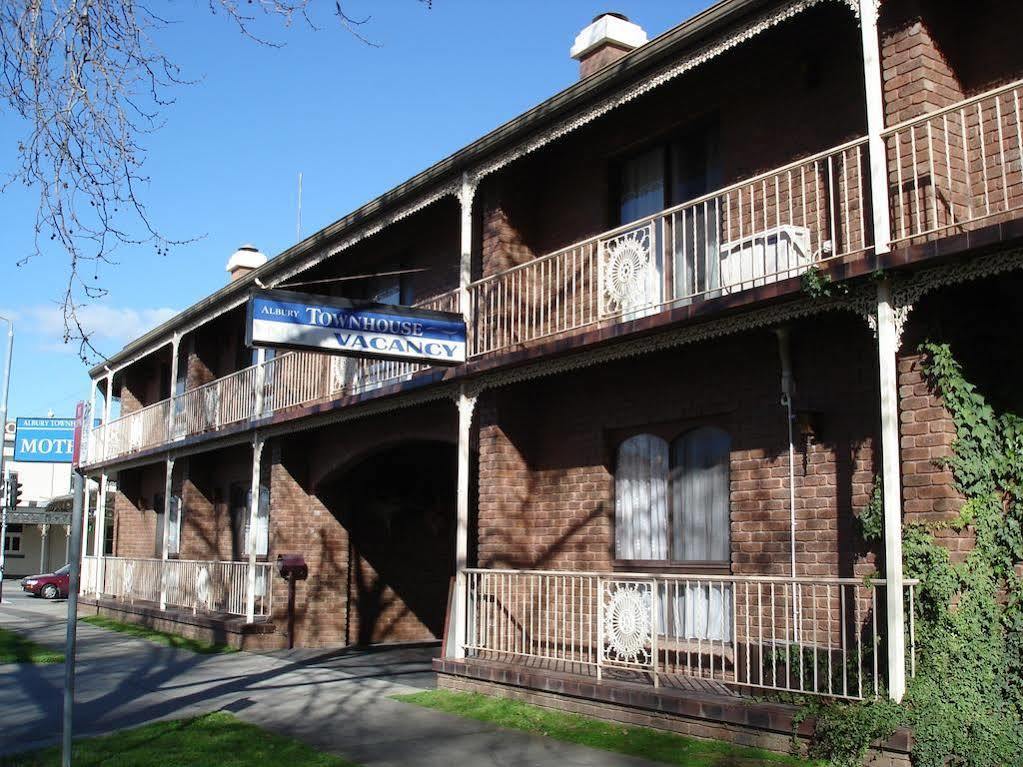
810 636
213 588
950 172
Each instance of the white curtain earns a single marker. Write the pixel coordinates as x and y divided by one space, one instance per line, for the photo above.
699 496
641 499
262 530
642 185
696 610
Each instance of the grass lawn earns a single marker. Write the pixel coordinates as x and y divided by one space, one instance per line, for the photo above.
17 649
214 740
644 742
160 637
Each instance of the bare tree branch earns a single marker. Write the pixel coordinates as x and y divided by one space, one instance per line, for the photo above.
90 83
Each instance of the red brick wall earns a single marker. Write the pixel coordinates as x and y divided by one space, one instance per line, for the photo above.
308 478
206 496
134 515
547 450
790 92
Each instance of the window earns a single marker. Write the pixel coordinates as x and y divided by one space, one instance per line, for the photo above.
669 173
12 541
672 504
666 175
671 501
240 498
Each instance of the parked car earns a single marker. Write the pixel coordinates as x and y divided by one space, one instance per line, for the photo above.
49 585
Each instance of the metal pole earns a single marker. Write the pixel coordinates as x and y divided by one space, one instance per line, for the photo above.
72 618
3 445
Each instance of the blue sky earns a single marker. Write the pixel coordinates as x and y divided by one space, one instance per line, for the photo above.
355 120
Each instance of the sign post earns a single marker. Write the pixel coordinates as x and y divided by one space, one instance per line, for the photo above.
75 560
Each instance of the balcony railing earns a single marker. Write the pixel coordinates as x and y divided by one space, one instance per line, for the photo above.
752 233
199 586
288 380
814 636
949 171
957 166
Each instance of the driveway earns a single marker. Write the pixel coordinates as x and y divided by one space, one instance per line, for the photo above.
338 700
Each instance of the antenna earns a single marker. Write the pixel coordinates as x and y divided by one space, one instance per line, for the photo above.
298 220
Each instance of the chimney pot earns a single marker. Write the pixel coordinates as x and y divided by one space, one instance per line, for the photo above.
609 37
244 260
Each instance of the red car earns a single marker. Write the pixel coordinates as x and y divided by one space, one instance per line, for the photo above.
50 585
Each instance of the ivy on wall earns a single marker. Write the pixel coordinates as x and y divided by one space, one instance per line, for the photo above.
965 703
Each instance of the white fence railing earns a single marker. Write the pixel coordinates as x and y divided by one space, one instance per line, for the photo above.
196 585
958 165
807 635
752 233
290 379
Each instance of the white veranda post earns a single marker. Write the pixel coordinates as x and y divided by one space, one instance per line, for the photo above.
875 125
165 538
250 593
101 526
456 640
887 346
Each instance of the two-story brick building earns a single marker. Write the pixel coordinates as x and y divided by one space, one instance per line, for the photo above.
695 283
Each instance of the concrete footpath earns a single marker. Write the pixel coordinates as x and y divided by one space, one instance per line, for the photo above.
338 701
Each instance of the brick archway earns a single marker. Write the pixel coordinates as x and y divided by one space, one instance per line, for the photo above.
398 506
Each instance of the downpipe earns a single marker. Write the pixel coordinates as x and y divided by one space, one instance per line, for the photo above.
788 389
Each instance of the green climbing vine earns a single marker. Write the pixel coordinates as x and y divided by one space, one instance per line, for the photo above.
817 283
965 703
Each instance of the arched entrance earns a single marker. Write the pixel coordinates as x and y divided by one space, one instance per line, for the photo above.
398 508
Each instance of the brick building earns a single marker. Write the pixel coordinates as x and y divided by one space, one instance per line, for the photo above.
695 283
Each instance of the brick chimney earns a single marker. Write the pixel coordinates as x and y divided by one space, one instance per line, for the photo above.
607 39
244 260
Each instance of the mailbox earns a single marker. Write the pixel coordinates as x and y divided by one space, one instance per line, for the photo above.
292 566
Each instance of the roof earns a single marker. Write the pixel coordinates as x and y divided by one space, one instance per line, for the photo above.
629 68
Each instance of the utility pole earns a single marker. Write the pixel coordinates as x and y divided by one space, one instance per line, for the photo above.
83 418
3 446
71 639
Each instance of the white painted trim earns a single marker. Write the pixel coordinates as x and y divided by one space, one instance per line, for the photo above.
250 594
607 29
877 151
887 346
466 403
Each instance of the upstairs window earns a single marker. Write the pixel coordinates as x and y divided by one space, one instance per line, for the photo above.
669 173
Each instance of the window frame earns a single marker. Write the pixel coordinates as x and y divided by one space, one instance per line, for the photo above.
670 432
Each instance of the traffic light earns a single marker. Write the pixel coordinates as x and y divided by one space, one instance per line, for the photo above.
13 490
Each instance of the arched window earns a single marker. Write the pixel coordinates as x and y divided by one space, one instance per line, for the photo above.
672 502
699 496
641 498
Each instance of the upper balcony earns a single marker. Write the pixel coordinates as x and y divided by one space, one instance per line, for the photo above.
574 243
951 170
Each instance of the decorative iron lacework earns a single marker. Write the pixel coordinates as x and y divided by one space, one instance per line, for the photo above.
626 271
628 622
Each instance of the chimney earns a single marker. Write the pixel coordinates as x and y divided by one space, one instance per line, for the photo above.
244 260
607 39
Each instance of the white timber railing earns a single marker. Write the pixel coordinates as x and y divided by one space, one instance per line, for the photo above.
815 636
287 380
196 585
752 233
958 165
